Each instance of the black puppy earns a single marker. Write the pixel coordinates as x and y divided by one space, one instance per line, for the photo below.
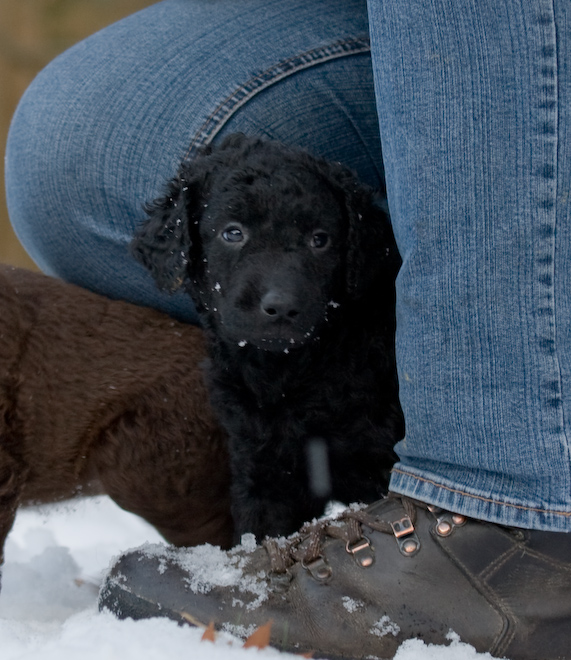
291 265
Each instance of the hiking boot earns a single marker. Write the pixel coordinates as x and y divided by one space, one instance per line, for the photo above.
363 583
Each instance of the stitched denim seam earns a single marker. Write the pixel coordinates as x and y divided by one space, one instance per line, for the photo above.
283 69
456 491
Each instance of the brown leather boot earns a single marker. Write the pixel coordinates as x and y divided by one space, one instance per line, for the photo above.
360 585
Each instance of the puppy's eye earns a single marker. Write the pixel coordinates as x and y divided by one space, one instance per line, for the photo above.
233 234
319 240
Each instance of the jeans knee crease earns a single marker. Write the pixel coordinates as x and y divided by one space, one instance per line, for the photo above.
240 96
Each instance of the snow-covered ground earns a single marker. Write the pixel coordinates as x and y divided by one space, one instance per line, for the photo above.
55 559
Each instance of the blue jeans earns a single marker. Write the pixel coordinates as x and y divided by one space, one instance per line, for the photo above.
471 100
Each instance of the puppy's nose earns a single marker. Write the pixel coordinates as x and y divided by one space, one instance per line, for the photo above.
279 305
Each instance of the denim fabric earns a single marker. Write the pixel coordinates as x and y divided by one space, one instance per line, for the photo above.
107 123
473 99
473 106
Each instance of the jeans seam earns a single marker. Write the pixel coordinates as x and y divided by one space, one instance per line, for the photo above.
481 498
270 76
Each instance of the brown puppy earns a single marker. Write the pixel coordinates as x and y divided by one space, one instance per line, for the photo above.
104 396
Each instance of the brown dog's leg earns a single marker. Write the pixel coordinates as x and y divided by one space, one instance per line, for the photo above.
170 467
11 480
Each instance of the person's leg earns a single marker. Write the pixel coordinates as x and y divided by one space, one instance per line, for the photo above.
105 125
474 108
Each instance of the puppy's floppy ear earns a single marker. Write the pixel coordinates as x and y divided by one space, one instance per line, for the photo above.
169 239
371 248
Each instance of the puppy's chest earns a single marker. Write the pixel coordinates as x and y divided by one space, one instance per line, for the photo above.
284 413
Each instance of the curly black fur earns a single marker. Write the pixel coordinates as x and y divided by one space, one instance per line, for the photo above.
291 264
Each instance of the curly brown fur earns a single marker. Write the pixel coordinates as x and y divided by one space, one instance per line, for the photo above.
100 395
291 264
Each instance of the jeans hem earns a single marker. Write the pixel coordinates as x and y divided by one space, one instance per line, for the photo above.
491 509
261 81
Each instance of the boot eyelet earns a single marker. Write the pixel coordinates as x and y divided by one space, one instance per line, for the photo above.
319 569
406 537
362 552
444 528
447 522
409 547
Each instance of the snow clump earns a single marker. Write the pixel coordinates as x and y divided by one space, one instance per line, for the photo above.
208 566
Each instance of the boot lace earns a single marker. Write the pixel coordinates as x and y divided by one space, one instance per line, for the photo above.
306 546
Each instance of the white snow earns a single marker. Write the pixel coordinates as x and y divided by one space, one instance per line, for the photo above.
210 567
56 557
352 605
384 626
